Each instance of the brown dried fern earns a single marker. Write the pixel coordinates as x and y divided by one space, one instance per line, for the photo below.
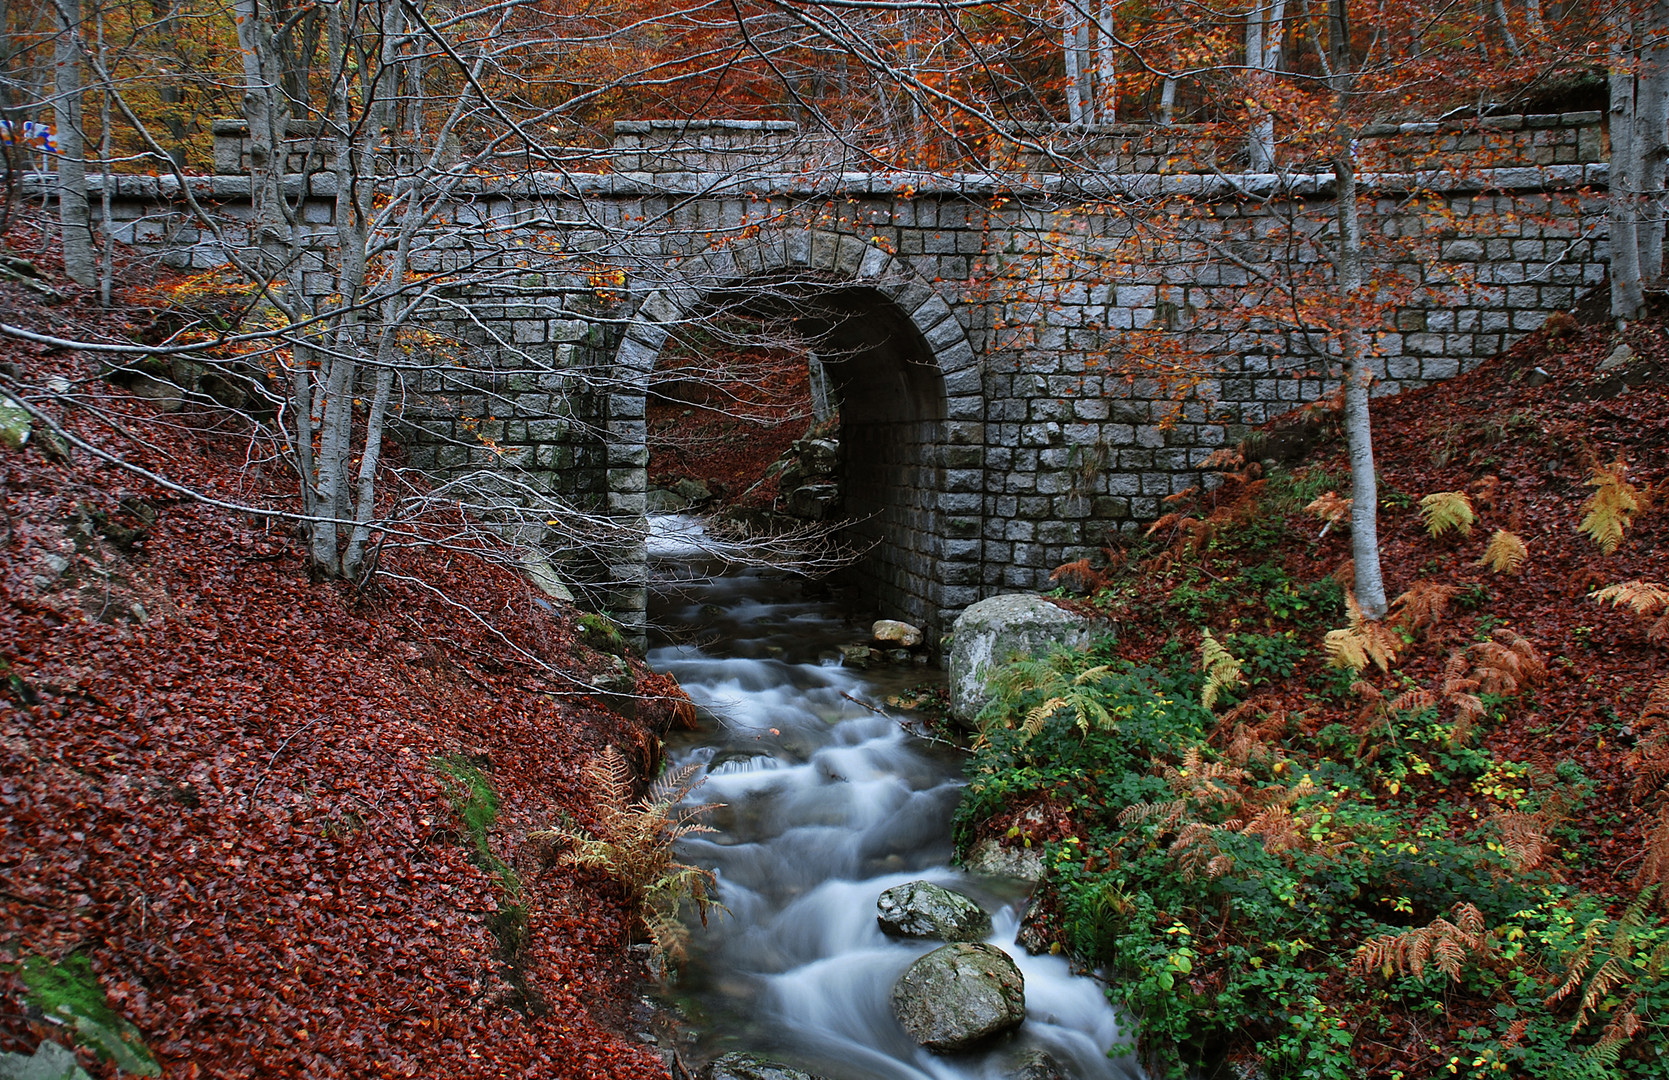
1442 944
1505 554
1646 598
1610 510
1365 639
1423 606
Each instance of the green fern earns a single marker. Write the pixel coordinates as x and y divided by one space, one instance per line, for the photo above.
1063 683
1221 670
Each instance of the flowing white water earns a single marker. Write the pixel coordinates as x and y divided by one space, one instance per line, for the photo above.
827 804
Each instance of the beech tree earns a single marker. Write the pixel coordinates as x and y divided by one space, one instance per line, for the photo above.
1638 54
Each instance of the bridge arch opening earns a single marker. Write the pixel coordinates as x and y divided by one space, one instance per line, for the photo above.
902 378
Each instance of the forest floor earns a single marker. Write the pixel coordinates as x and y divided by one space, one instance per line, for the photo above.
257 826
1230 859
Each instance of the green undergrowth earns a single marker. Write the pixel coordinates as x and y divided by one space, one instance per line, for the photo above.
476 804
1327 874
69 994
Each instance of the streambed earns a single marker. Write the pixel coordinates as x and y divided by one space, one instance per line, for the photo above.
829 800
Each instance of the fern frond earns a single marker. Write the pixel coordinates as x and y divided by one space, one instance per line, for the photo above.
1221 670
1079 576
1625 1024
1656 708
1363 640
1445 510
1524 838
1330 508
632 842
1654 870
1506 663
1645 597
1505 554
1423 605
1610 510
1168 813
1443 944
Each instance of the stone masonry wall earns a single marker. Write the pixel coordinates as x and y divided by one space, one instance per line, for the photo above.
1058 426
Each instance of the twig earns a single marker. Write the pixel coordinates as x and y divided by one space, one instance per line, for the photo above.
250 800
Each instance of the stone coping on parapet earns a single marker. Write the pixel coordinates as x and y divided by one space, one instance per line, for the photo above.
892 185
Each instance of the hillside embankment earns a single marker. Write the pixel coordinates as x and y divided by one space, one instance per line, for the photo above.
256 826
1302 843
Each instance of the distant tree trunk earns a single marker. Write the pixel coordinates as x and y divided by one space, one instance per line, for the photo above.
1651 141
1106 64
1627 296
1167 101
1358 369
1533 18
1071 18
1499 10
1265 27
73 218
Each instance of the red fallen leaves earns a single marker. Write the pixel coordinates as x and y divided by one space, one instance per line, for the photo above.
230 805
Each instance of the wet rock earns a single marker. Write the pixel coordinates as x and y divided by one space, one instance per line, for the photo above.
990 857
897 633
856 656
813 502
897 656
1034 934
922 909
996 630
958 995
693 492
818 457
662 501
1621 356
545 578
752 1067
50 1061
165 395
1038 1065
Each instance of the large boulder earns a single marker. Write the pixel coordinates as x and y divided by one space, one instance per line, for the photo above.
751 1067
996 630
993 859
922 909
958 995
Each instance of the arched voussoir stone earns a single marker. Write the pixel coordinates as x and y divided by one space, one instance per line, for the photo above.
933 558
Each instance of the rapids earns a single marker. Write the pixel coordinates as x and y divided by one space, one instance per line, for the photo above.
828 802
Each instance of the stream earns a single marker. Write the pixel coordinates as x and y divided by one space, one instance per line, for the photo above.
829 800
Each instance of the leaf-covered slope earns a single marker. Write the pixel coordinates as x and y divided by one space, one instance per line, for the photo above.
227 787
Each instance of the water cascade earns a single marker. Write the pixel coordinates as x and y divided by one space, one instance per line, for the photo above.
829 801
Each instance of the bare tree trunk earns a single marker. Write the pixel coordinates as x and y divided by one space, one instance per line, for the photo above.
1074 78
1651 141
1533 18
1086 90
73 218
1499 10
1106 64
1627 297
1167 101
107 250
1265 27
1358 384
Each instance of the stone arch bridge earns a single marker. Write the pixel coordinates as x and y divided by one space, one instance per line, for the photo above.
989 429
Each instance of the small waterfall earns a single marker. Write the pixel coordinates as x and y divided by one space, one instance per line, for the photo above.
828 802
